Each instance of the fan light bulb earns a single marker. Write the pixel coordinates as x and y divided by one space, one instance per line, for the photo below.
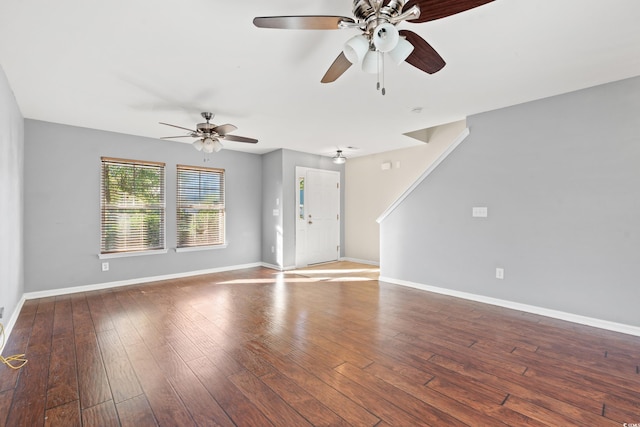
356 48
401 52
385 37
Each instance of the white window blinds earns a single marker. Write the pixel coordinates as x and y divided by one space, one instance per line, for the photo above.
200 206
132 206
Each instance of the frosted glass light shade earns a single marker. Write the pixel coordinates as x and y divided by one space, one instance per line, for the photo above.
217 145
385 37
208 145
370 62
339 159
198 144
401 51
356 48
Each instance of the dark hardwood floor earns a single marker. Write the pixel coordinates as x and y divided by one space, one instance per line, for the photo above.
257 347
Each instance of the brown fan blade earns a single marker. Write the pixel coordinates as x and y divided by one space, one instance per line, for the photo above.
430 10
183 136
318 22
179 127
239 139
222 130
339 66
423 57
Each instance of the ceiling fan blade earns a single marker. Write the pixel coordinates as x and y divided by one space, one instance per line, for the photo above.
430 10
183 136
312 22
239 139
179 127
339 66
423 57
222 130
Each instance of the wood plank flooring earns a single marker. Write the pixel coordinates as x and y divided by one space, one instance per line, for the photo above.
257 347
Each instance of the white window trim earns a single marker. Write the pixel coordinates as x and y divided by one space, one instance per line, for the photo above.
129 254
201 248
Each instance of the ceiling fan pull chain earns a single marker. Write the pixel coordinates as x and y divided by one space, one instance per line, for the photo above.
381 72
378 67
384 91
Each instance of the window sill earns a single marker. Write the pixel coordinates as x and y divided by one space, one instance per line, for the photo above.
201 248
130 254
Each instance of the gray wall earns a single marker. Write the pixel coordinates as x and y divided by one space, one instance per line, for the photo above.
561 180
62 203
279 182
11 201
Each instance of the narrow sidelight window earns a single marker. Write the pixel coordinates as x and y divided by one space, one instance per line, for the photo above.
132 206
200 207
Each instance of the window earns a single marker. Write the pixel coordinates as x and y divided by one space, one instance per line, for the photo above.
200 206
132 206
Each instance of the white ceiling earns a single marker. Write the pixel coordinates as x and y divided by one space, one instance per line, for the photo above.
124 66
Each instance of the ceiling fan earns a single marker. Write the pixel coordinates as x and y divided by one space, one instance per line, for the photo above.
377 20
209 135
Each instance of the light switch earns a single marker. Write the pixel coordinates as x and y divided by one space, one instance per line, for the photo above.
480 212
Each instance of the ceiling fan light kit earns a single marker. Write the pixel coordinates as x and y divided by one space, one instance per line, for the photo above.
377 20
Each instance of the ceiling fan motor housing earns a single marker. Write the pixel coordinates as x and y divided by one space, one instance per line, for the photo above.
205 127
366 13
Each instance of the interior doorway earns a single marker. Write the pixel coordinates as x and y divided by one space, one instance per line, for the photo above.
317 216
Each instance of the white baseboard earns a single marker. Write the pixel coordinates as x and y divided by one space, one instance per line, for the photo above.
360 261
277 267
141 280
13 319
575 318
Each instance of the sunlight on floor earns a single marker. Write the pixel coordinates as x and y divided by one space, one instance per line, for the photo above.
282 280
331 272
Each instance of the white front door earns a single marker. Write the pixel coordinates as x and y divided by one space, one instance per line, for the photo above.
318 216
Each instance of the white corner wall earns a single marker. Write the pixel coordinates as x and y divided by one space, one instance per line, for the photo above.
11 203
370 190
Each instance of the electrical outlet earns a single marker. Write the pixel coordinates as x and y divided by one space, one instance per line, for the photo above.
105 266
273 249
499 273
